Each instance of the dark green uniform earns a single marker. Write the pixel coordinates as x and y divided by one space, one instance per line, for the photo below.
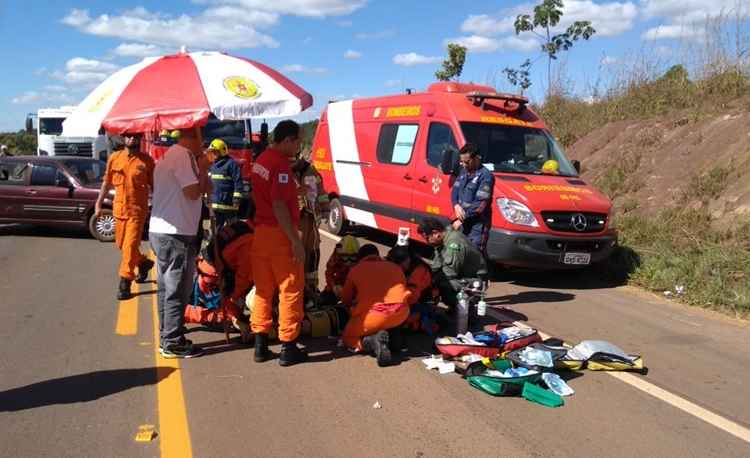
456 259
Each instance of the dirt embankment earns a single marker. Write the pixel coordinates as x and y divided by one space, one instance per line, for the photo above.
683 159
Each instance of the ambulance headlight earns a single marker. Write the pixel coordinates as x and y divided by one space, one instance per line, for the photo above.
611 222
517 213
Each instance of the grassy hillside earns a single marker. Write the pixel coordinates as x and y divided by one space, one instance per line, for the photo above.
674 156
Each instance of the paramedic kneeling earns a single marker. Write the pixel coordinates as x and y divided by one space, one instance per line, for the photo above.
278 254
471 197
379 289
455 258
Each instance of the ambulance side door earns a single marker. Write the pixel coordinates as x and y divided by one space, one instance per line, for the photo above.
390 178
432 190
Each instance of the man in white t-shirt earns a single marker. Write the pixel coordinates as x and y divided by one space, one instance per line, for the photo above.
180 179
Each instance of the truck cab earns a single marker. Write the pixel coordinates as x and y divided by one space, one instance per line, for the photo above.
51 142
391 161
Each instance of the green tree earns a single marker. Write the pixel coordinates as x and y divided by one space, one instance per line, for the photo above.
546 17
454 64
675 74
519 77
20 142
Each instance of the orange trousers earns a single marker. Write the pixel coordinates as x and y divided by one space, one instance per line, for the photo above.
370 323
128 232
275 270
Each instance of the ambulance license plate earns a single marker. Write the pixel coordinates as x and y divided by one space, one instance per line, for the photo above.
577 259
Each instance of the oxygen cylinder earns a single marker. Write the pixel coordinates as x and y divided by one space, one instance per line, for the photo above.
462 312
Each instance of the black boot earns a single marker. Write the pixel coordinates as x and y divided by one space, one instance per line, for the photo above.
262 353
378 346
123 291
369 344
291 354
143 269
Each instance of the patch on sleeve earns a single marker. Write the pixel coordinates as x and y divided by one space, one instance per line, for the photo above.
453 246
481 195
283 178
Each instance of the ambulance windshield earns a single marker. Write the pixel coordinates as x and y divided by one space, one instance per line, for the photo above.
514 149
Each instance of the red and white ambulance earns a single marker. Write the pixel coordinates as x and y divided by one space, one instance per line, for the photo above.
390 161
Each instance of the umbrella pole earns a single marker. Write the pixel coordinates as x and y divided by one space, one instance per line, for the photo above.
218 264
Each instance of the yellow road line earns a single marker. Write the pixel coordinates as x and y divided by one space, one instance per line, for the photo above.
695 410
174 434
127 317
683 404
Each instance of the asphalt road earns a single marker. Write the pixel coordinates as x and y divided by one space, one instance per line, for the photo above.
71 386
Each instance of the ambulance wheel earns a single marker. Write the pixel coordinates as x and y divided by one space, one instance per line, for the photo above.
336 223
103 227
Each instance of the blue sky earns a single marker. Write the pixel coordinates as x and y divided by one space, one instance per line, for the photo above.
56 52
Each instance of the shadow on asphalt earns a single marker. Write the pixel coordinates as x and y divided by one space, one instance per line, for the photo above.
28 230
79 388
323 349
525 297
589 278
145 293
221 345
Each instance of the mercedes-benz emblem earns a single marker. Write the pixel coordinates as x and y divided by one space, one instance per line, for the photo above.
578 222
73 149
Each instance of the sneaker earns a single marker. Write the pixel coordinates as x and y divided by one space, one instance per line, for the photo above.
188 342
143 269
184 351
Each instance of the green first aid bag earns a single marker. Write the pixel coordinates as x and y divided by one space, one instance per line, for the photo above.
541 396
497 386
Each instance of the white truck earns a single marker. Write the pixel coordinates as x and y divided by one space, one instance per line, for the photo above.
51 142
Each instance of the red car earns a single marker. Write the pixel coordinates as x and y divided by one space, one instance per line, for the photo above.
55 191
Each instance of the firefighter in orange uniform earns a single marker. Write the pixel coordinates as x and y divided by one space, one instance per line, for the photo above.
419 281
236 268
278 254
379 289
131 174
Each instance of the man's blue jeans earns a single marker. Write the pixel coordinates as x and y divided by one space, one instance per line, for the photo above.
175 264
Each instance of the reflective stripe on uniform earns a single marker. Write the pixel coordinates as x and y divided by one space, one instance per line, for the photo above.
223 207
218 176
237 195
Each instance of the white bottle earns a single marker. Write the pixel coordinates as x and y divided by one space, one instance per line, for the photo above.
462 311
481 308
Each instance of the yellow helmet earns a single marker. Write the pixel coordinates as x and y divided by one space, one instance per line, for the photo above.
164 133
175 134
219 145
551 166
349 245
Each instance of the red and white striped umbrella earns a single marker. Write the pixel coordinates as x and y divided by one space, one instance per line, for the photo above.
180 91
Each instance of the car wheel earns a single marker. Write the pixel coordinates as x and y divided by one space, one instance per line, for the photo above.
336 223
103 227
